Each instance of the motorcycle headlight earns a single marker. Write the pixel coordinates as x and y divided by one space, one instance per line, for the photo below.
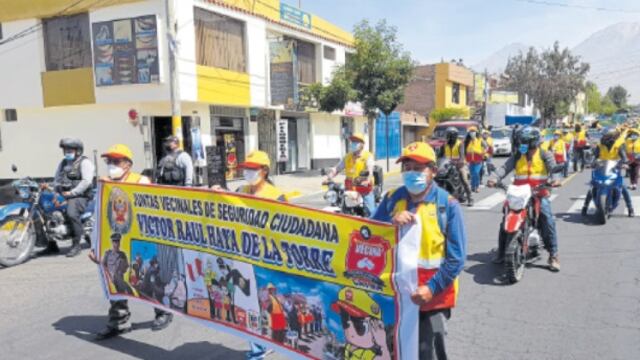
331 196
515 202
352 199
24 193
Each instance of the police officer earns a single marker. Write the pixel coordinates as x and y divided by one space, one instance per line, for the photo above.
74 179
176 167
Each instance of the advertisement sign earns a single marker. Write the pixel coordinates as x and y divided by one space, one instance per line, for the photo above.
295 16
126 51
304 282
283 140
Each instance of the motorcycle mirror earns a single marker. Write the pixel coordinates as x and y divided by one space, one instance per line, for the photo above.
14 168
364 173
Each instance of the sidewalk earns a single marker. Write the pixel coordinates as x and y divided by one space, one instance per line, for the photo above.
309 182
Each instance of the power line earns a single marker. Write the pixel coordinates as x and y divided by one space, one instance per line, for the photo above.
578 6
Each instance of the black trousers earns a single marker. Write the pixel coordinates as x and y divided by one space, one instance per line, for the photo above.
75 209
432 333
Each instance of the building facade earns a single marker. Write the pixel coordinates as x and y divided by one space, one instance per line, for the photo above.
99 71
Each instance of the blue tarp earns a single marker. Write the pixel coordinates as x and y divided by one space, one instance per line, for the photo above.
519 119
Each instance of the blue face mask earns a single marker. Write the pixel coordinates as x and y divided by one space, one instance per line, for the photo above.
634 138
523 149
415 181
69 156
355 146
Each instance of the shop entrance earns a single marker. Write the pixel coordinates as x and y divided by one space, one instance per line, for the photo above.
162 129
229 135
298 142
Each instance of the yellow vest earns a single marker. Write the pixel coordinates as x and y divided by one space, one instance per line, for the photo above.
613 154
353 167
532 172
568 138
475 147
267 191
633 147
557 147
353 353
133 177
452 152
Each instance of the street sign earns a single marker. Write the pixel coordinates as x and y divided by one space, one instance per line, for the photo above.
283 140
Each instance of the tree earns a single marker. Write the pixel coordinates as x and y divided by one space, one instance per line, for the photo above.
552 78
594 98
608 107
448 113
618 96
375 75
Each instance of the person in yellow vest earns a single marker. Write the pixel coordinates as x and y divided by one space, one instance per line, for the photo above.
580 142
532 166
611 148
487 166
443 242
353 164
567 137
256 169
119 160
475 149
633 155
364 330
453 150
557 147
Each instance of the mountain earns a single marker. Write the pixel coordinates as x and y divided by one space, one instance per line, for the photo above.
614 55
496 63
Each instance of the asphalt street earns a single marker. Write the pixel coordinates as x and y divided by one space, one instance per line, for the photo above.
51 306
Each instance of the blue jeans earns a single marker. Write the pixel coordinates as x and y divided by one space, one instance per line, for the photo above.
547 227
257 352
474 169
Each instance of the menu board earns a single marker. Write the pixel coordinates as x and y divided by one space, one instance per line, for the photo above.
126 51
216 168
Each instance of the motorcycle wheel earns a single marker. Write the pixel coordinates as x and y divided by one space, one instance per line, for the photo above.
601 209
514 257
15 228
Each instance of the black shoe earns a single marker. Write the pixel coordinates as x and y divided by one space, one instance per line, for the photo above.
75 250
584 211
470 201
632 213
161 321
498 259
109 332
51 249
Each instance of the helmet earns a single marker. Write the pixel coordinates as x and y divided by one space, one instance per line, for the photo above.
609 137
68 143
529 135
119 151
451 133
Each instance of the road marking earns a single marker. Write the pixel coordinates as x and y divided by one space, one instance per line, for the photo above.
576 207
494 199
565 181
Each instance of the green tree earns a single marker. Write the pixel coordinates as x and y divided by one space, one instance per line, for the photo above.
594 98
445 114
551 78
375 75
618 96
608 106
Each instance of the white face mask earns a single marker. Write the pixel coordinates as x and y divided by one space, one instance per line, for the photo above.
115 172
252 177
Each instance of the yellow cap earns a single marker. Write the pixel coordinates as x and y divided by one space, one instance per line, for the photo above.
485 131
256 159
473 128
357 303
119 151
418 151
357 137
557 132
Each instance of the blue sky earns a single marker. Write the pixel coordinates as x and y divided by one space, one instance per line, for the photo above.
474 29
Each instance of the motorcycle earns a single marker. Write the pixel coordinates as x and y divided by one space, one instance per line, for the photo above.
518 228
606 188
449 178
36 220
589 156
350 202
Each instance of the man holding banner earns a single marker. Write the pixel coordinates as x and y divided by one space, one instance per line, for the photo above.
442 248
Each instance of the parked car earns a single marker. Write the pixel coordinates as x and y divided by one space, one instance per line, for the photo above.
501 141
437 139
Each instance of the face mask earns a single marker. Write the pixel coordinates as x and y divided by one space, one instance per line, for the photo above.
252 177
355 146
69 156
415 181
115 172
523 149
634 138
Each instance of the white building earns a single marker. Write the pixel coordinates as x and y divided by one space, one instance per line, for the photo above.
79 71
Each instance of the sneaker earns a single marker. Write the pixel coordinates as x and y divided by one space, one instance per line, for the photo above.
632 213
161 321
584 211
75 250
470 201
110 332
554 263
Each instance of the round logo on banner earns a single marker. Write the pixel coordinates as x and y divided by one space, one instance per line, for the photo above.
119 211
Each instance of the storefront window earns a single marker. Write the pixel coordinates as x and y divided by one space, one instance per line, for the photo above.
229 135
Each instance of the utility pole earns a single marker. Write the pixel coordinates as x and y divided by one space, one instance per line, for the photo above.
485 95
176 117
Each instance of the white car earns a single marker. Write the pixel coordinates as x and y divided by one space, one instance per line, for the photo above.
501 141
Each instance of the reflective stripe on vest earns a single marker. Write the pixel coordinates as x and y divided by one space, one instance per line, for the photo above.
452 152
532 172
354 166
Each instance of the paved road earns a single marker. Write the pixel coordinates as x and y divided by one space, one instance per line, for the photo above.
590 310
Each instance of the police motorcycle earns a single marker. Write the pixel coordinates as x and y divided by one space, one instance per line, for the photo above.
36 219
606 188
351 202
449 178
